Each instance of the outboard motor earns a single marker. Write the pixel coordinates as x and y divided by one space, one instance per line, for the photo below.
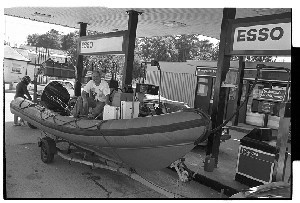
56 97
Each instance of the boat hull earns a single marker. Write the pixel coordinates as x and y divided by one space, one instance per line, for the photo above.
146 158
149 143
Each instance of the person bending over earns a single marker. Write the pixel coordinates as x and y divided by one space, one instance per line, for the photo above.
94 96
21 91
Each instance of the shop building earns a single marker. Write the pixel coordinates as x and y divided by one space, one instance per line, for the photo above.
26 60
15 65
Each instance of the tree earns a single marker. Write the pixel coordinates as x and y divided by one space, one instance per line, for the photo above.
187 46
138 68
205 50
215 52
68 41
49 40
175 48
32 40
159 48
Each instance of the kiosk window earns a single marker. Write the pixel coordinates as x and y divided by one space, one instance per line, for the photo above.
202 89
202 86
203 80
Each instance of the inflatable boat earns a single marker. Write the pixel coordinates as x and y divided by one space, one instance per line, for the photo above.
150 142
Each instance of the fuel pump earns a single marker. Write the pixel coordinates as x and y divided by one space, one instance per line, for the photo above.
258 75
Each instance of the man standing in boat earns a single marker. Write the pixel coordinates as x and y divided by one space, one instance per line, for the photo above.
21 91
94 97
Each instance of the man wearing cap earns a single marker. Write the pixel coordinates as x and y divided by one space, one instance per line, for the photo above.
21 91
94 97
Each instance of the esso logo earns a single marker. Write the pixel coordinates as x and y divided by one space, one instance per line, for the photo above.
262 34
87 45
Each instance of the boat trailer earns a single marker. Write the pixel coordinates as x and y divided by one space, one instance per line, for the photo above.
48 144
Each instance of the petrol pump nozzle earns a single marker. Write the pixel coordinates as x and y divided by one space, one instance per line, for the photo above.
259 67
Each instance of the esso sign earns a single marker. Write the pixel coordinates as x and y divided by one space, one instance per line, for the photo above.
87 45
104 45
262 37
262 34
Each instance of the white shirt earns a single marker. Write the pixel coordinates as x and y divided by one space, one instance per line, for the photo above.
99 92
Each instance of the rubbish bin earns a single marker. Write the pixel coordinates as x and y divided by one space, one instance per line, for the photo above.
256 160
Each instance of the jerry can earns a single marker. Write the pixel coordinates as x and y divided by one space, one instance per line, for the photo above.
209 163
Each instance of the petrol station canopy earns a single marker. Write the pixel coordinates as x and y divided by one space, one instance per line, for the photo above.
151 22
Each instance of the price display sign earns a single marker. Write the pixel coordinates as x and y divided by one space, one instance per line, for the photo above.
272 95
255 164
267 107
206 71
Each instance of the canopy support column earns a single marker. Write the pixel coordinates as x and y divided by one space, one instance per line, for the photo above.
130 46
220 92
282 140
79 64
240 89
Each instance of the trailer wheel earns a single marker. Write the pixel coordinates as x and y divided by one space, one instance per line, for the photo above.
47 154
31 126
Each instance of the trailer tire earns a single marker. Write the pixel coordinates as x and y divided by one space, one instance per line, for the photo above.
47 154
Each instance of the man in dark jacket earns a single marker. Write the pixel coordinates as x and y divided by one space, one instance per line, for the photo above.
21 91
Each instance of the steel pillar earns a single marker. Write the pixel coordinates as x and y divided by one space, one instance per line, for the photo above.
79 64
220 92
130 46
